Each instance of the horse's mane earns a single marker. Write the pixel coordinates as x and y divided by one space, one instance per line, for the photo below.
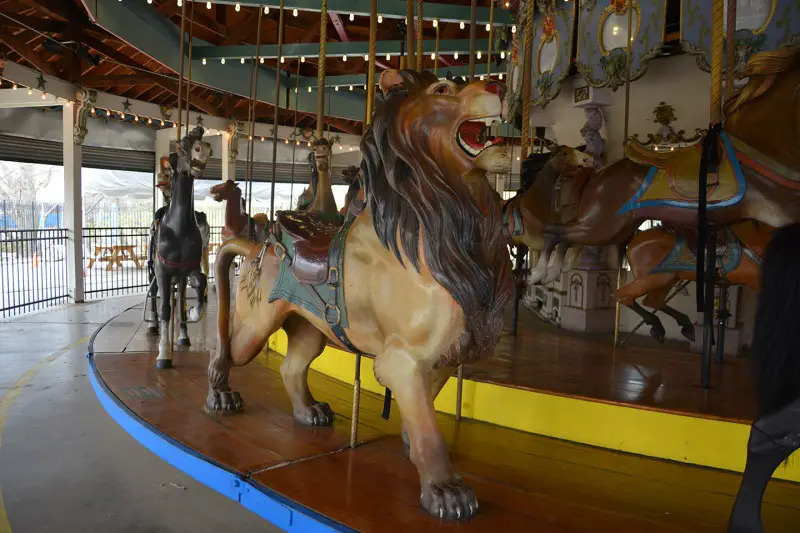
776 337
763 69
411 199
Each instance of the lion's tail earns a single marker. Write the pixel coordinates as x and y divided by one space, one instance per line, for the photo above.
225 256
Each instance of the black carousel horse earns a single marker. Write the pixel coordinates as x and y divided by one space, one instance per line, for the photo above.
176 246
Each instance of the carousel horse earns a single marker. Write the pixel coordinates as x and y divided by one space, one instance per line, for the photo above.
318 196
177 246
775 434
418 276
662 256
163 184
534 205
237 221
758 176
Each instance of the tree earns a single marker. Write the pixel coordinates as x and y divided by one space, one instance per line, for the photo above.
19 185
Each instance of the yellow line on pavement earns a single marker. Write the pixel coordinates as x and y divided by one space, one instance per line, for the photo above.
7 401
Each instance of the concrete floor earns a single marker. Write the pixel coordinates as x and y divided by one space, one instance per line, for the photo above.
64 464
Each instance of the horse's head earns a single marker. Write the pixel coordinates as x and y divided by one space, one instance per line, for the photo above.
225 190
448 122
164 176
322 155
193 153
567 160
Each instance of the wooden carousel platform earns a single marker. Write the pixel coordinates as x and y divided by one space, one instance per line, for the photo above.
308 479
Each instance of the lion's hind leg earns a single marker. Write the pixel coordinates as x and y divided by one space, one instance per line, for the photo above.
305 344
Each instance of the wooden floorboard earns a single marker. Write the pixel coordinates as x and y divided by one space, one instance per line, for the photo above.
524 482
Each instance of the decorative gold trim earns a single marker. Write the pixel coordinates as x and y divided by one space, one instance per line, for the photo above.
763 28
611 9
557 38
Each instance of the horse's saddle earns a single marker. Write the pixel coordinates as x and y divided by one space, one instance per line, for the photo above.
310 234
683 256
673 177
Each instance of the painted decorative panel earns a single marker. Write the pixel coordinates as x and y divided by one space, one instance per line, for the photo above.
602 32
761 25
552 48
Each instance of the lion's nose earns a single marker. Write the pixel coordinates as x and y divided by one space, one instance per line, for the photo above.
495 88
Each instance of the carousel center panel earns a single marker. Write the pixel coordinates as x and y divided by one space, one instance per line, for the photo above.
309 479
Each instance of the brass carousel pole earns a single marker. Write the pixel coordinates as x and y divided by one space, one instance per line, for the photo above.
323 38
180 74
527 63
373 30
730 45
629 52
473 28
254 100
436 50
420 56
491 35
189 77
275 107
294 148
411 62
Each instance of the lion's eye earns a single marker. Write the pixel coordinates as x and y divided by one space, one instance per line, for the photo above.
442 89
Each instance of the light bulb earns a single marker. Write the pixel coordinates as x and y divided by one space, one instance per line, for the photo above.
351 148
365 87
180 3
262 138
261 60
517 158
266 12
282 59
344 58
294 12
309 89
461 24
297 142
500 76
149 120
514 28
222 60
148 1
455 56
336 88
302 59
352 17
208 5
30 91
295 90
238 7
503 54
380 19
286 141
162 121
479 54
435 23
351 87
93 111
488 27
481 77
204 60
508 4
366 57
388 57
433 56
14 87
44 95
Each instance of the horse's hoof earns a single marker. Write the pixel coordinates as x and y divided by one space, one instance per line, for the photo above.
184 342
688 332
658 333
194 315
163 364
223 402
152 331
452 500
318 414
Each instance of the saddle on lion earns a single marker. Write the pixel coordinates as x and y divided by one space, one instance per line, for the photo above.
310 247
673 176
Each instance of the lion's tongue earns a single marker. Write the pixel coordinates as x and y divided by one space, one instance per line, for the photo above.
471 133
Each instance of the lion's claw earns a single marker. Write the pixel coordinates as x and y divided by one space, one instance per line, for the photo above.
224 402
318 414
452 500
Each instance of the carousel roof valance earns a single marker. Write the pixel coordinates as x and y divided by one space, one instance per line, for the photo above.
761 26
602 32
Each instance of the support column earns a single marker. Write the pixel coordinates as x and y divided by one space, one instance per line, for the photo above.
230 150
73 134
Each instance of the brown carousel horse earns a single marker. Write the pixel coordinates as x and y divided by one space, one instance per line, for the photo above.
662 256
424 264
758 178
237 221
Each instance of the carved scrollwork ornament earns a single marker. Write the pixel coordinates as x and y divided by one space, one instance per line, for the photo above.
84 101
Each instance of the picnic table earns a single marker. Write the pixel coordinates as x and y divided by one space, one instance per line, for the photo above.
115 255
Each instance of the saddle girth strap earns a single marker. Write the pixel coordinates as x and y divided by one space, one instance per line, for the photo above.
175 264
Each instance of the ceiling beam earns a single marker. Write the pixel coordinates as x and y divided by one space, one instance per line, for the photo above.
52 8
28 53
36 23
349 49
388 8
338 25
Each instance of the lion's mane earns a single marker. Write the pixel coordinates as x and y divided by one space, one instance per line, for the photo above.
409 197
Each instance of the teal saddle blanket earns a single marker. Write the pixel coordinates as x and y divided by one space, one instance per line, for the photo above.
310 248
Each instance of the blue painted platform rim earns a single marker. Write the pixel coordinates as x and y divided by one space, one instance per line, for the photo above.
266 503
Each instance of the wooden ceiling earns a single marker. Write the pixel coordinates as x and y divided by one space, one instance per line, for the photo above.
31 30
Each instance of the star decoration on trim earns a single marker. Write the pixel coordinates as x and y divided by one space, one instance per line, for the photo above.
126 105
41 82
200 120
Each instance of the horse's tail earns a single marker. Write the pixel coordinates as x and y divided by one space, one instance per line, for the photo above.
776 340
225 256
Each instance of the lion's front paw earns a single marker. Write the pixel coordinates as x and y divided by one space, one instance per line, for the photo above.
453 500
223 402
318 414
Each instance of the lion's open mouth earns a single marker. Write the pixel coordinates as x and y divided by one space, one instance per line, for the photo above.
474 135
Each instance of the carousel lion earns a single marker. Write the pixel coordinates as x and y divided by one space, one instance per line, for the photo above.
417 275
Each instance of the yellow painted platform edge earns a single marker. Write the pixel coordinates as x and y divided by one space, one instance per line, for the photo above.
685 439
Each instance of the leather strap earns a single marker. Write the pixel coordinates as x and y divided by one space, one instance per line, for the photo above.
174 264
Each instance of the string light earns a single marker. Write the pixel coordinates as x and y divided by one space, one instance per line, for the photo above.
222 60
282 59
286 141
488 27
351 87
302 59
204 60
508 4
479 54
501 76
366 57
461 24
295 90
208 5
262 138
388 57
92 111
455 56
503 54
238 7
294 12
433 56
162 121
344 58
149 120
297 142
514 28
14 87
30 91
380 19
352 17
261 60
44 95
180 2
481 77
148 1
435 23
266 12
309 89
336 88
249 137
